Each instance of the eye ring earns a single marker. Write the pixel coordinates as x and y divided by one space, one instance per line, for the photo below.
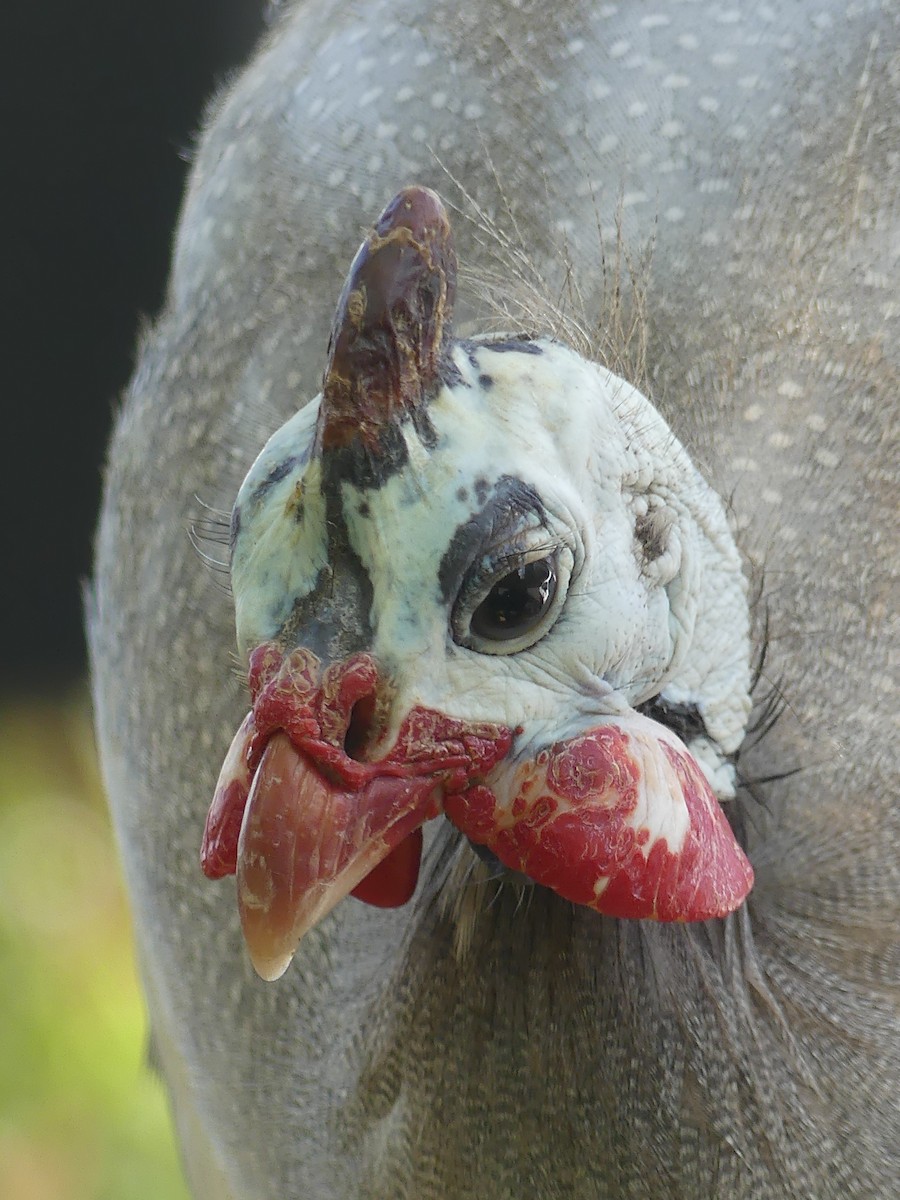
512 604
517 602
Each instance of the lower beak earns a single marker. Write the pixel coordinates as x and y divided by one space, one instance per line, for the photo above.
302 824
305 844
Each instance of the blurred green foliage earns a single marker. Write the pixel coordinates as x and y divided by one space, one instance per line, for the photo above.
81 1116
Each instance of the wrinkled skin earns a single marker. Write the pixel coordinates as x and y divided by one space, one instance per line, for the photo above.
549 1051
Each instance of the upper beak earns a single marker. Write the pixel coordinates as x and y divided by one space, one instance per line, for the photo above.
314 822
306 843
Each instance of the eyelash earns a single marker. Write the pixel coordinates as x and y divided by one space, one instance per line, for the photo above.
492 568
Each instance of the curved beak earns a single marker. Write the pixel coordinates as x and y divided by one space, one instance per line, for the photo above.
302 823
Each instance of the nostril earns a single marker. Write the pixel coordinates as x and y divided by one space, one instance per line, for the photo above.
360 730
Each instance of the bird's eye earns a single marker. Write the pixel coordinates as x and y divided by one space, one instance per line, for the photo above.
517 602
513 596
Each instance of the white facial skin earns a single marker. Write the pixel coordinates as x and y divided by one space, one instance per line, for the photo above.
634 616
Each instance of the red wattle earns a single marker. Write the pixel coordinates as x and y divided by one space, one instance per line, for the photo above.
620 819
218 852
393 882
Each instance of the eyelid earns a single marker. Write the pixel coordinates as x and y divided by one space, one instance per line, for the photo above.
493 567
511 541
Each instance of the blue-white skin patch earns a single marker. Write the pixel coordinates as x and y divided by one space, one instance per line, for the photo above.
538 453
277 557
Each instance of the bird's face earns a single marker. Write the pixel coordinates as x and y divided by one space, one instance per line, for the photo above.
454 598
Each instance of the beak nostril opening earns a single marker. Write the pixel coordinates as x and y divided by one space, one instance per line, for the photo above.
360 729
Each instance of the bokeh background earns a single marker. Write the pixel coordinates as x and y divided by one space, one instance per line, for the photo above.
100 103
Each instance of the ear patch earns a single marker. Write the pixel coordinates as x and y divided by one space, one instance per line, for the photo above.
658 544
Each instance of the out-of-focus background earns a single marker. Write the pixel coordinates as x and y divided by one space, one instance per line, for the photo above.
100 103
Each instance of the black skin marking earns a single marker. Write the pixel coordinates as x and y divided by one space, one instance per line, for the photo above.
522 345
367 472
471 352
424 428
482 490
334 619
449 374
683 719
235 525
486 381
363 509
462 495
519 346
509 502
275 476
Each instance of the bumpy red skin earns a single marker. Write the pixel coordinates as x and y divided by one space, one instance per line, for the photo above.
566 819
218 852
313 707
568 829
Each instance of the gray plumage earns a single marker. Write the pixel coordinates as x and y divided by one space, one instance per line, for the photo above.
485 1042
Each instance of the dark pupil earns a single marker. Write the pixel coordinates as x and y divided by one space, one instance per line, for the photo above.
517 602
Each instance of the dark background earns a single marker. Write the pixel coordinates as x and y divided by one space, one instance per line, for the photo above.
100 104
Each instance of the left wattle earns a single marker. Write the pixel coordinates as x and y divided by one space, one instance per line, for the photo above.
394 880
